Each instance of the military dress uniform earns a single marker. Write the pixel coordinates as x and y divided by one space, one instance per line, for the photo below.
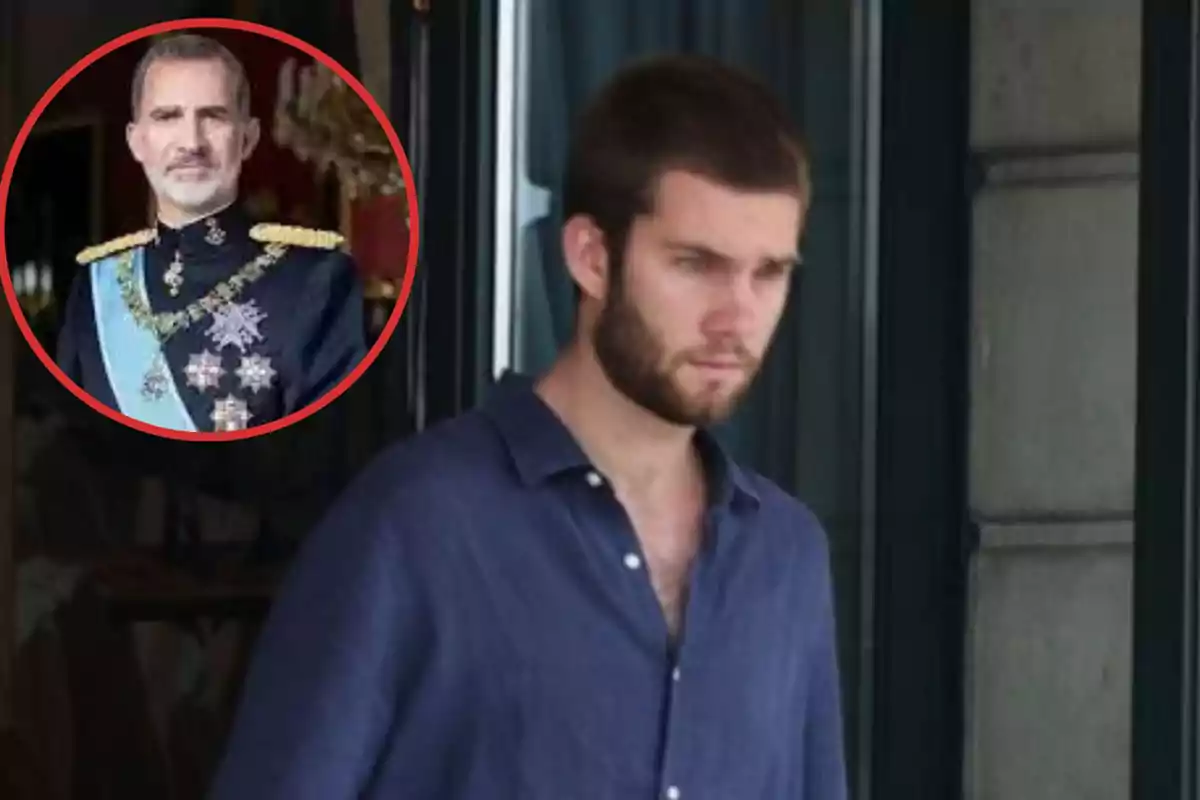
221 325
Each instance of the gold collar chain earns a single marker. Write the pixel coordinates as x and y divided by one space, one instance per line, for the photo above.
167 323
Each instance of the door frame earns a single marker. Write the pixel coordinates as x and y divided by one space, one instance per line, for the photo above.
923 536
1164 712
455 59
10 121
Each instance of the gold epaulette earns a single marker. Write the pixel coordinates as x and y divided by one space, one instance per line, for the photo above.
296 236
130 240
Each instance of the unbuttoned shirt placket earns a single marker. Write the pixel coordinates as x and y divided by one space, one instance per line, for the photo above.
637 590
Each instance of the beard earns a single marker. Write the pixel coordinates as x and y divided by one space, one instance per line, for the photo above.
191 195
636 362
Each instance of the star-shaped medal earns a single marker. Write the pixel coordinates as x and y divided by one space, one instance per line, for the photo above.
236 324
204 370
256 372
230 414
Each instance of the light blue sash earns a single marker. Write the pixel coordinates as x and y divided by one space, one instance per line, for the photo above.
129 350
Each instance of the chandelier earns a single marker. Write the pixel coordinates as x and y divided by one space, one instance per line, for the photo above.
324 122
33 284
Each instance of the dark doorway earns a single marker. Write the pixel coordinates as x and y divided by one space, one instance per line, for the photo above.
1166 570
52 213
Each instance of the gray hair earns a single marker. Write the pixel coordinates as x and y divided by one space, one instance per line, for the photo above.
192 47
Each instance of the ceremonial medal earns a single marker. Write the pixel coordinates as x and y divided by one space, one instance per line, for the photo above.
174 275
167 323
204 370
154 382
230 414
236 324
215 235
256 373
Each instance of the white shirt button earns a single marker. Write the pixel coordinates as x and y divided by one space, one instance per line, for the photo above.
593 478
675 674
632 561
673 793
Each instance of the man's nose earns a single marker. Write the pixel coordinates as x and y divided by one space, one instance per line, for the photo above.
191 135
736 300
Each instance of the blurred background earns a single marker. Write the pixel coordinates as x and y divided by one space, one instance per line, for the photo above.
985 383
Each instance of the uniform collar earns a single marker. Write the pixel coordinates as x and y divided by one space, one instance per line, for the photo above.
542 447
212 237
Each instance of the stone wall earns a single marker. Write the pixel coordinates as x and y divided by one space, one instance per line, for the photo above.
1055 93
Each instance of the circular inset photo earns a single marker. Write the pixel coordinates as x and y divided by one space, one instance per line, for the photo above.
222 249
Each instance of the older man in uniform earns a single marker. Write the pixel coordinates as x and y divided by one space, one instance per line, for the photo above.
208 321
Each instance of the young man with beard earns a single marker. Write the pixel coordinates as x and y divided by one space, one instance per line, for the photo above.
573 592
207 321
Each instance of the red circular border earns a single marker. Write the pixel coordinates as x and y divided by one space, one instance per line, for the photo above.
410 190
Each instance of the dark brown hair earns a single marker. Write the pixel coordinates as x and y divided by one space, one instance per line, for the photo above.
677 112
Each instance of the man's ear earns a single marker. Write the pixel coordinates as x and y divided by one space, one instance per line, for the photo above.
586 256
250 137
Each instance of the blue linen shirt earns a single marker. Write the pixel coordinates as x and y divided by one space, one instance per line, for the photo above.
473 621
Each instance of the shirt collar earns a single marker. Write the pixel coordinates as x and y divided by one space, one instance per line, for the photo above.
212 237
542 447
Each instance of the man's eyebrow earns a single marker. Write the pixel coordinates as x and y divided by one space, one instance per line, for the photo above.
695 248
212 110
784 259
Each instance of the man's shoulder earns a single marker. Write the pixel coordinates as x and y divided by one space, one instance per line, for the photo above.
313 241
788 514
312 260
115 246
446 461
